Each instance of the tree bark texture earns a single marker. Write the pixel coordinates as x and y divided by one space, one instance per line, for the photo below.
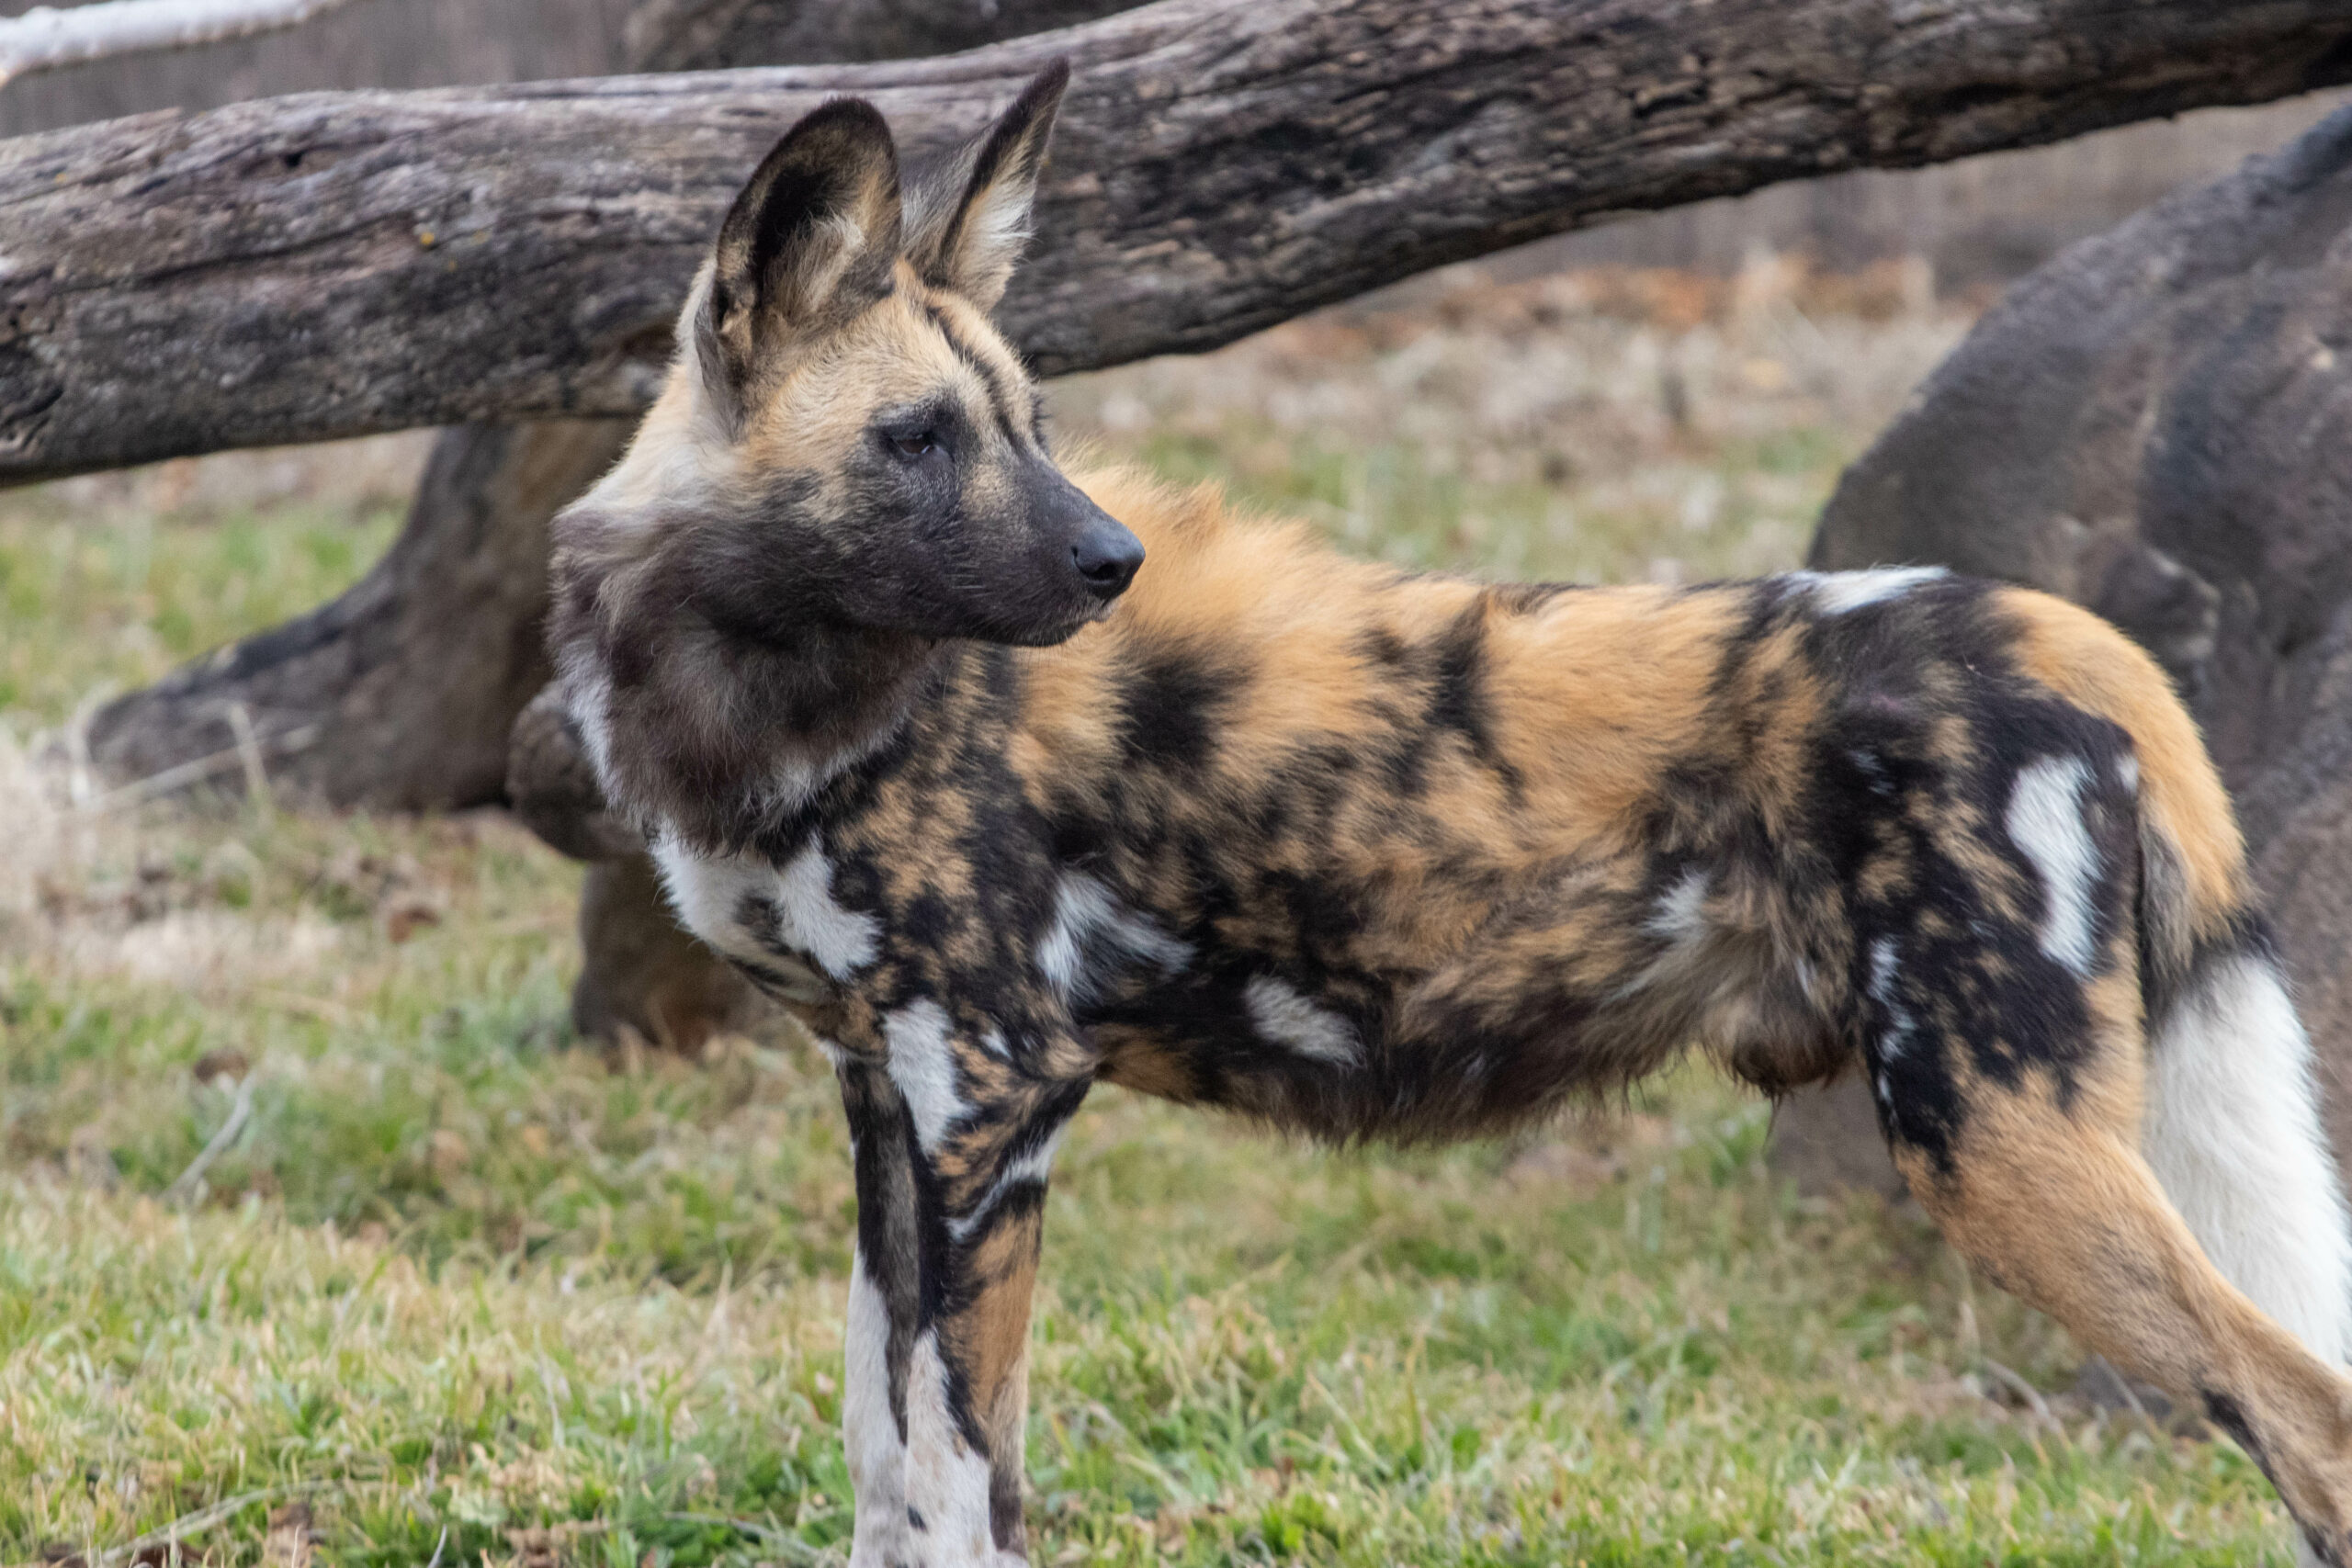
399 694
2158 425
706 35
335 264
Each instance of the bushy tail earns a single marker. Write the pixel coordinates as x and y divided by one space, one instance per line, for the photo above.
2232 1122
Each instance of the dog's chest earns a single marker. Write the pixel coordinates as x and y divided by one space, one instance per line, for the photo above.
780 924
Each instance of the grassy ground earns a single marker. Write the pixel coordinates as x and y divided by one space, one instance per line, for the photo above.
321 1239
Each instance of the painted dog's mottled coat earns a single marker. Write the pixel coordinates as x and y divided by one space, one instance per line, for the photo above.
1373 854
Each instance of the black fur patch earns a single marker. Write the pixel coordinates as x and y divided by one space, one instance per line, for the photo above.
1169 710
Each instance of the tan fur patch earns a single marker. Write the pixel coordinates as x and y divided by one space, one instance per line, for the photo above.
2091 664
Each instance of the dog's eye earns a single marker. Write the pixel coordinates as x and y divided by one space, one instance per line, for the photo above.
922 444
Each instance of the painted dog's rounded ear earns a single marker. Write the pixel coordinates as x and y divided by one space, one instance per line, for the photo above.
965 232
811 240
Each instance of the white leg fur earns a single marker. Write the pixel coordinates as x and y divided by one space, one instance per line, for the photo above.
2233 1132
877 1460
947 1479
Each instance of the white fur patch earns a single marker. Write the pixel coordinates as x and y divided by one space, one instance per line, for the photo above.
710 893
1086 914
2045 821
2232 1130
1872 768
1681 915
997 226
1886 957
1679 918
586 694
878 1460
948 1479
1284 1016
1842 592
842 941
922 1065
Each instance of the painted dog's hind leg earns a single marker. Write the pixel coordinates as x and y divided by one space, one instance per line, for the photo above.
2069 1217
2013 1112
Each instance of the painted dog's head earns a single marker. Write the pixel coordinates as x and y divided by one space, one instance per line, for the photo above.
845 467
877 442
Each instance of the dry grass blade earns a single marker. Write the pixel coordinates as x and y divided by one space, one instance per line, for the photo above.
196 1524
2017 1384
190 1181
246 755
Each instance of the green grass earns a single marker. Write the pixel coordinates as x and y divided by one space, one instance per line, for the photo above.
459 1283
86 609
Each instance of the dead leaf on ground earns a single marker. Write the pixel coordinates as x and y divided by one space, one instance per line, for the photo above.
287 1545
405 918
221 1062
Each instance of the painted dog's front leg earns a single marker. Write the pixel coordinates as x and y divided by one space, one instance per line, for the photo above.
956 1134
884 1286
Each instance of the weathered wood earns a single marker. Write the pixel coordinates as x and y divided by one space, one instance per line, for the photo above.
401 692
337 263
707 35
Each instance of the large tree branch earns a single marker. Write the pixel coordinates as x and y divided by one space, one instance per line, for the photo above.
708 35
45 38
335 264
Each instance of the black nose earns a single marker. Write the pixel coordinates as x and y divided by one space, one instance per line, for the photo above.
1106 556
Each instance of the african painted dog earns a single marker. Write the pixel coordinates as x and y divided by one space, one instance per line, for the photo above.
1378 855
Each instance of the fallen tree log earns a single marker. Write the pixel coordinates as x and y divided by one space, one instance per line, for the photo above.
711 35
336 263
